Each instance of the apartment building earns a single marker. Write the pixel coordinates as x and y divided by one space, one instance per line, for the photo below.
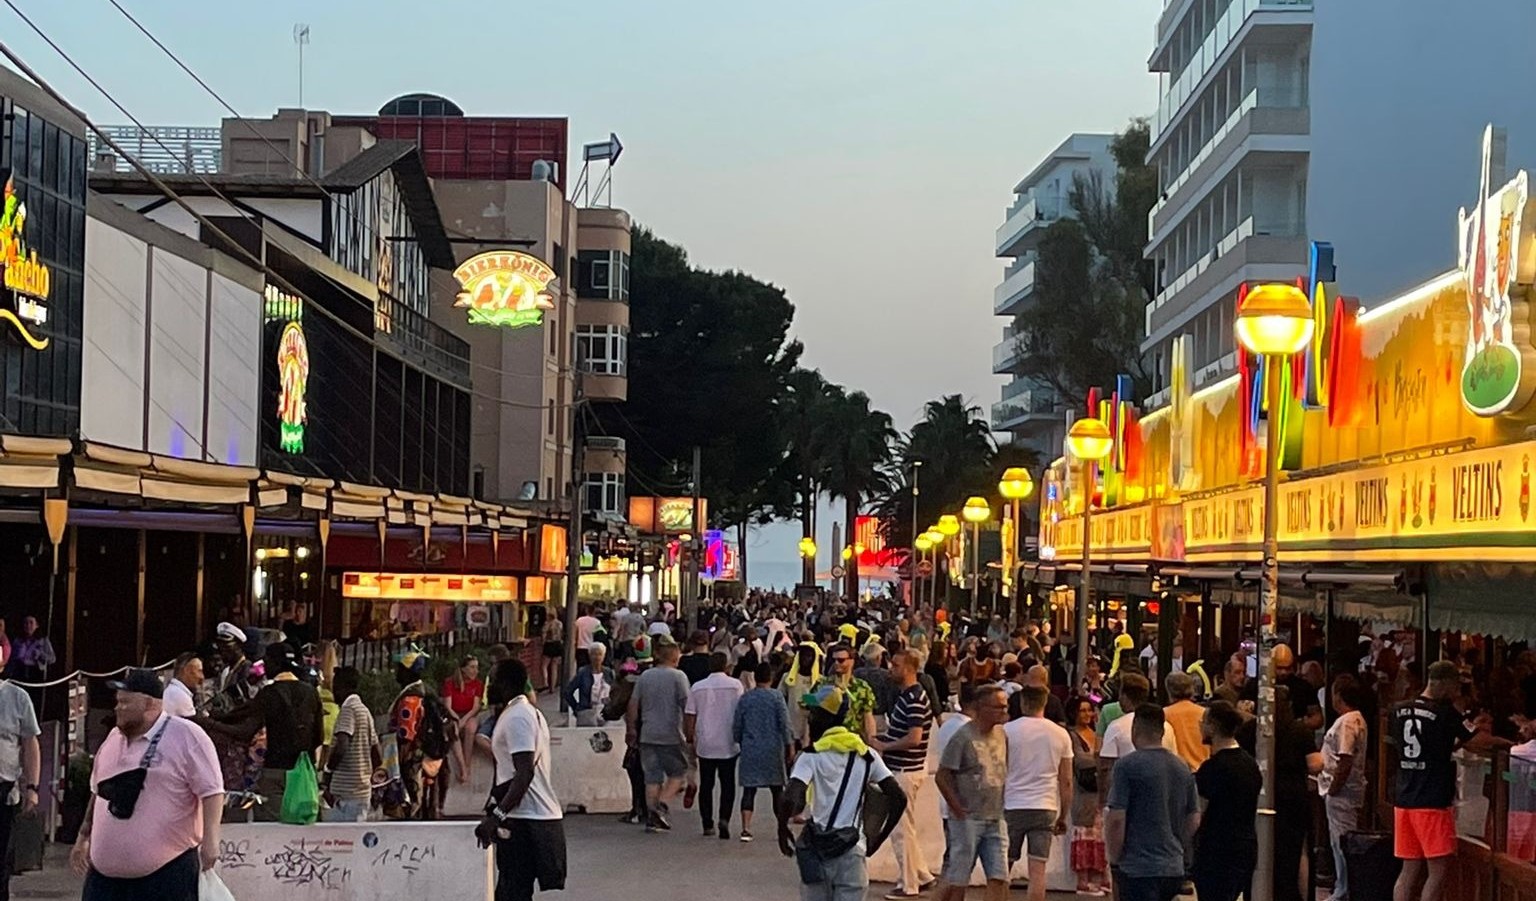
1287 121
1029 410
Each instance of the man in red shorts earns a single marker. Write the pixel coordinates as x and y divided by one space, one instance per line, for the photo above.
1426 732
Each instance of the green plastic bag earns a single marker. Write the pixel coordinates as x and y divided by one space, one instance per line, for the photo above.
301 794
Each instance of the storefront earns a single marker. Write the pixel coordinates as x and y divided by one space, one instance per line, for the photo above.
1405 448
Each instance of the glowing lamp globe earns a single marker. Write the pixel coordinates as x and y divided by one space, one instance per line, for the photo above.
949 525
922 544
976 510
1016 483
1275 320
1089 439
935 537
807 547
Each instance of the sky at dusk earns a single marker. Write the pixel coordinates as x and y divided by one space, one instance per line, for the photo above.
858 153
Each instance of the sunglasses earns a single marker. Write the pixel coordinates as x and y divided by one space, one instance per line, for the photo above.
842 659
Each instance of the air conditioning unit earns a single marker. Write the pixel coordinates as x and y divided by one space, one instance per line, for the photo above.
605 443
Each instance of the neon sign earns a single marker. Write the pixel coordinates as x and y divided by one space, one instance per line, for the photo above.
1494 257
505 288
27 279
292 368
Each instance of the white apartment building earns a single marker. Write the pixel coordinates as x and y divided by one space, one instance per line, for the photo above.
1028 410
1282 122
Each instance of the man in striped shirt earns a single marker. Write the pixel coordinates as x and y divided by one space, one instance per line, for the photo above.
904 748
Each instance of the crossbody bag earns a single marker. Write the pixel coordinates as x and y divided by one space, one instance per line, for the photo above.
818 844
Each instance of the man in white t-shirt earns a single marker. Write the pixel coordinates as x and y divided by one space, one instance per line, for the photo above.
1134 691
180 693
586 630
1038 792
524 819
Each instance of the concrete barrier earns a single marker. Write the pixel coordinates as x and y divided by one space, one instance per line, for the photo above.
346 861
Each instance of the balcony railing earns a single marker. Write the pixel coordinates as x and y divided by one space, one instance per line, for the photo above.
1172 189
1026 213
1018 284
422 339
1006 353
1211 50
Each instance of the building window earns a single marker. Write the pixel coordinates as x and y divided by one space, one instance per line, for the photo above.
605 493
602 275
551 427
603 349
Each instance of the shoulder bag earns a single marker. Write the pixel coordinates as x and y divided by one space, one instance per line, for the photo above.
818 844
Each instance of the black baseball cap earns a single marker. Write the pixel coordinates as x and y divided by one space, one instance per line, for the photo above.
139 681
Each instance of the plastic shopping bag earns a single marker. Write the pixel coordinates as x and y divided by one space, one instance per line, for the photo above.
211 888
301 794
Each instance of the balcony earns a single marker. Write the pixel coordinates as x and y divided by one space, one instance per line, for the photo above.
1027 406
1245 246
1008 299
1253 127
1027 220
1212 51
1008 353
421 340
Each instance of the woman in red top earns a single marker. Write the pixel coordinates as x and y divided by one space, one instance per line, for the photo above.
464 694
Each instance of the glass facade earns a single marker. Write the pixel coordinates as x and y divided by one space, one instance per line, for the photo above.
45 167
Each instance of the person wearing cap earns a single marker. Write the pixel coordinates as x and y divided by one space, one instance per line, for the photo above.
419 722
289 710
829 784
861 697
654 724
20 761
152 822
233 683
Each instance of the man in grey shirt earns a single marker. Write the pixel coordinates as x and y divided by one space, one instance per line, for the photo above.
654 723
1153 813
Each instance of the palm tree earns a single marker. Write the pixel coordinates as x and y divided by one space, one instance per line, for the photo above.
954 443
857 442
806 410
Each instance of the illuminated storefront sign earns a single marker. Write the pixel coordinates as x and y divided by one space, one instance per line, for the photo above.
505 288
1117 535
665 515
292 368
1495 258
26 280
428 587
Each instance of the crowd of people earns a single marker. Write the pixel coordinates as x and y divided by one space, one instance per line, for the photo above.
784 696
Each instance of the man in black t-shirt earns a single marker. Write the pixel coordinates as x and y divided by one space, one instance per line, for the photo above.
1426 732
1227 845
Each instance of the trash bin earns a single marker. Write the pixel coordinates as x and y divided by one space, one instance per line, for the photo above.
1372 866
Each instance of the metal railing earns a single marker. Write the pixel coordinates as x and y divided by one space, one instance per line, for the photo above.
377 654
421 338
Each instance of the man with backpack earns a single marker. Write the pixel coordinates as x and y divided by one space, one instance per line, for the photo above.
420 725
838 770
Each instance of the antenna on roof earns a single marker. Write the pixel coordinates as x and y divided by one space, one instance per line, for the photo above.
301 38
598 151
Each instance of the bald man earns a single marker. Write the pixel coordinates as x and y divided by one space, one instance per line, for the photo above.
1040 677
1303 694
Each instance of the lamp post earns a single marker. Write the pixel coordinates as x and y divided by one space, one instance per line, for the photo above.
1274 322
976 512
1015 485
808 555
920 546
916 465
949 527
1089 441
936 541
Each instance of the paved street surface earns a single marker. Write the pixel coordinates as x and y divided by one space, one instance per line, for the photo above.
608 860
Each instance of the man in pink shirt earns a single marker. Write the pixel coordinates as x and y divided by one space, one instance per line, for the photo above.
156 800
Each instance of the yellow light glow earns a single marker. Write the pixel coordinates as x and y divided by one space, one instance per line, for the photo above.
949 525
922 544
847 553
976 510
1275 320
1089 439
807 547
261 553
302 552
1016 483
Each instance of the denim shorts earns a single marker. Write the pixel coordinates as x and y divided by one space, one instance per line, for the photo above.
970 840
663 762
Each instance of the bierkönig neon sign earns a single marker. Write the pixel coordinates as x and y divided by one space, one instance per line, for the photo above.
505 288
27 280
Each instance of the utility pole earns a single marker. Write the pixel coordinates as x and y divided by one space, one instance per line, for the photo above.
912 539
573 539
691 602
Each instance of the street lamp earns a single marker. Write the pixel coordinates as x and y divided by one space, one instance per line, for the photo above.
1015 486
1274 322
949 526
976 512
937 540
920 546
1089 441
916 465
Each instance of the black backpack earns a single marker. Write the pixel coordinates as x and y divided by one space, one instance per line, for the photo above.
432 736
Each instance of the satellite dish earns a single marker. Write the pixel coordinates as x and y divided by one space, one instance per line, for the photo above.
530 491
